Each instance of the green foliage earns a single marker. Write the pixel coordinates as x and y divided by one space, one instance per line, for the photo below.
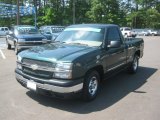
133 13
49 17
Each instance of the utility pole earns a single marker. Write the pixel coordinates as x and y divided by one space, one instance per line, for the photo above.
35 12
18 17
74 12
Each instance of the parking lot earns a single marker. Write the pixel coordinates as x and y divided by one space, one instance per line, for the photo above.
122 97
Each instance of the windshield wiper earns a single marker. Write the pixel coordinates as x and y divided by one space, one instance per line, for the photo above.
79 43
58 42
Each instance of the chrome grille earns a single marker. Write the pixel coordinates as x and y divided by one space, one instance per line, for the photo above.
37 62
38 73
44 69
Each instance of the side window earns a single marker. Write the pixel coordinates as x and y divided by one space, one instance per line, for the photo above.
2 29
113 34
6 29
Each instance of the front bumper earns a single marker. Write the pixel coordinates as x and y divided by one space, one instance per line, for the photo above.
53 85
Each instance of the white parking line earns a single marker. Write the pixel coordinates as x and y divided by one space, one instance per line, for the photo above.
2 54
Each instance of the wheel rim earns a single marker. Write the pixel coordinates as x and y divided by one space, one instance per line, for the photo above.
93 85
135 64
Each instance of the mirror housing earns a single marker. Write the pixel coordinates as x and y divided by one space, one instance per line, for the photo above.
114 44
10 32
53 37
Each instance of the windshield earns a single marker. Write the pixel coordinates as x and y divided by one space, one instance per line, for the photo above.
127 29
26 30
84 36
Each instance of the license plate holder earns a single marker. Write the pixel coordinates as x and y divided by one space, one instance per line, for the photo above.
31 85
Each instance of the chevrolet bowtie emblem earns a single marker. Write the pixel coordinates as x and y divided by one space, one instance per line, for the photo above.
34 67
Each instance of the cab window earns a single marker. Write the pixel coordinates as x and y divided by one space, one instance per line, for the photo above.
113 34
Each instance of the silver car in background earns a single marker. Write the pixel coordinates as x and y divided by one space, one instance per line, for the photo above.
4 31
141 32
51 32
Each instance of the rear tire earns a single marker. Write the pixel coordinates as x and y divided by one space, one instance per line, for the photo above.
134 65
91 86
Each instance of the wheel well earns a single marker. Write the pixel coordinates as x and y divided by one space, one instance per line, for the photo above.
99 69
138 53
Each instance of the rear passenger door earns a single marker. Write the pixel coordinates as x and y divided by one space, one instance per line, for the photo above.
116 56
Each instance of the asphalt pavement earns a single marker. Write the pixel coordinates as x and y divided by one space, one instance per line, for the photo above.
122 97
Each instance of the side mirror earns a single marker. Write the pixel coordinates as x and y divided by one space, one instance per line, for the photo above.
114 44
53 37
10 33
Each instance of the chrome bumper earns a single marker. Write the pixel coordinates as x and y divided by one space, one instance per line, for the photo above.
57 89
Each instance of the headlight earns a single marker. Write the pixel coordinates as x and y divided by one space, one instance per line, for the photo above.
19 58
19 66
21 40
63 70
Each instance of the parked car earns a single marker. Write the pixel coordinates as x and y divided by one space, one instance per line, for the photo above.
79 59
141 32
24 36
4 31
153 32
127 32
51 32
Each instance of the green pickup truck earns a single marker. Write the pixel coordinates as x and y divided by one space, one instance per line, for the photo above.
78 60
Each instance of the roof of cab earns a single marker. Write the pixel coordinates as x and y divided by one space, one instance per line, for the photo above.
94 25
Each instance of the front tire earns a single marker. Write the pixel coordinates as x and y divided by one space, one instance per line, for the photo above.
15 48
8 46
91 85
134 65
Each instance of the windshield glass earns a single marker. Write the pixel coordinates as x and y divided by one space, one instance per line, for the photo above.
127 29
27 30
84 36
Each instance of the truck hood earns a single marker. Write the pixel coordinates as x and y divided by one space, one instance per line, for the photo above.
56 52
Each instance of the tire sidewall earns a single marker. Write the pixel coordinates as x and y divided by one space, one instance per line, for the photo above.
133 70
86 95
8 45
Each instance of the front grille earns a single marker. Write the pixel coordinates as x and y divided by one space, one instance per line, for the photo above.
38 73
37 62
30 43
33 39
